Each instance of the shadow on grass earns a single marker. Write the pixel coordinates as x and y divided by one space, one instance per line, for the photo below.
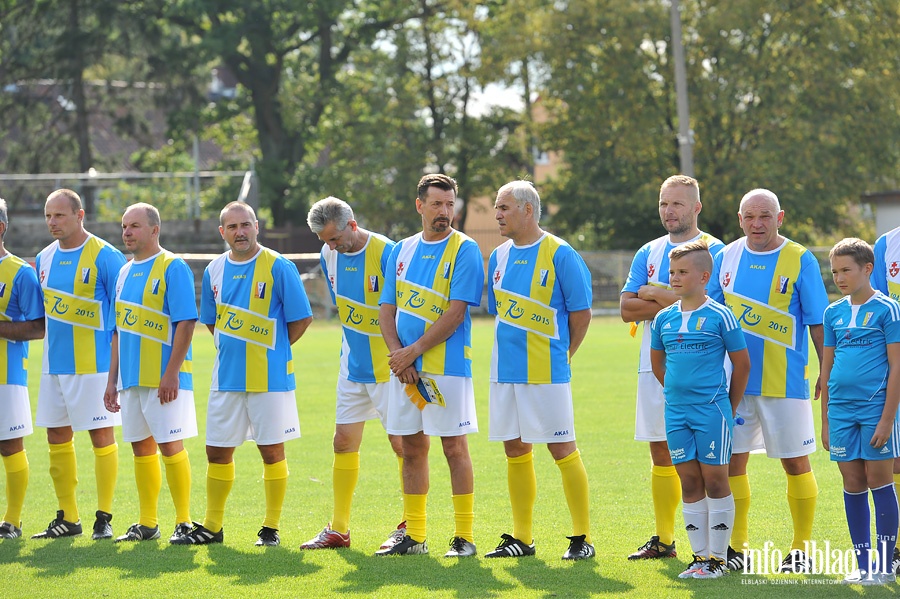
10 550
255 566
573 579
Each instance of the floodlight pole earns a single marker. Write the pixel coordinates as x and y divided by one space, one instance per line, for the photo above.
685 133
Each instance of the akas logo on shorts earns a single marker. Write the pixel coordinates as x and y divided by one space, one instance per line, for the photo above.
894 270
86 275
261 290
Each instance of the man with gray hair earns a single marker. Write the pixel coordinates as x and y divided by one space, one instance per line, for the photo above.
774 287
353 260
539 290
21 320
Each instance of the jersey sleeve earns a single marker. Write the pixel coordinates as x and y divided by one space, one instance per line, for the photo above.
180 297
733 337
637 274
327 276
575 281
207 300
828 329
467 283
892 323
813 297
879 271
491 300
28 295
109 262
714 288
389 289
293 295
656 341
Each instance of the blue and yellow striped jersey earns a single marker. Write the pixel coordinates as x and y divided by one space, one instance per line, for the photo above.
251 303
152 297
775 297
21 299
859 336
79 289
695 343
421 279
355 281
886 274
532 290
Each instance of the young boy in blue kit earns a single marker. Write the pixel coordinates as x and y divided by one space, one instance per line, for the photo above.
689 340
861 364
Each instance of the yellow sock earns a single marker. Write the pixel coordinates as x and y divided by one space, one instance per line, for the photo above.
575 485
464 516
665 487
63 471
345 473
106 470
400 462
522 484
148 477
16 466
275 478
740 532
178 475
415 516
219 480
802 491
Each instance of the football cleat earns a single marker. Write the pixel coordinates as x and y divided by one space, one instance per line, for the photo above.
200 535
328 539
459 547
864 578
696 564
139 532
181 529
102 526
712 568
735 560
578 548
395 537
653 549
10 531
796 562
268 537
511 547
895 563
59 528
406 546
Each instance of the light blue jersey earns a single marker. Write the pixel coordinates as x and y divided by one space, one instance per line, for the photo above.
421 279
251 303
650 266
152 297
21 299
79 289
355 282
695 343
859 336
886 271
532 290
775 296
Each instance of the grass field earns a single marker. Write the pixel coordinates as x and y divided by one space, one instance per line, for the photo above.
619 470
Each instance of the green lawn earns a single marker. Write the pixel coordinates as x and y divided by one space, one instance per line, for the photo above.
619 469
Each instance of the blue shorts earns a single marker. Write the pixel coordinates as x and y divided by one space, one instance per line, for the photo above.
700 432
851 425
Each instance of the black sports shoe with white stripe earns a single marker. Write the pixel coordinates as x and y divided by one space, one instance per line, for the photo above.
579 548
736 559
139 532
59 528
102 526
511 547
200 535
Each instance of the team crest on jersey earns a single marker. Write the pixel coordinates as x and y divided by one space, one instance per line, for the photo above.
400 269
726 280
446 273
700 322
865 321
261 290
894 269
651 269
847 335
783 284
43 275
215 292
497 275
679 338
373 284
544 274
86 275
2 289
154 286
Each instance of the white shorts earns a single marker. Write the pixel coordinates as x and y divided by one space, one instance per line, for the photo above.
144 416
455 419
782 426
15 412
536 413
74 400
650 414
233 417
358 402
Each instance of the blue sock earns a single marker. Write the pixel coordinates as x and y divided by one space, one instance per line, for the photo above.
886 522
856 506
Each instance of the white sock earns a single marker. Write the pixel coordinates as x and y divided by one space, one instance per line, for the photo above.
721 521
696 523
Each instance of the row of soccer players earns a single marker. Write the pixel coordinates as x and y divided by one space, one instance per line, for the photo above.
775 296
118 351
